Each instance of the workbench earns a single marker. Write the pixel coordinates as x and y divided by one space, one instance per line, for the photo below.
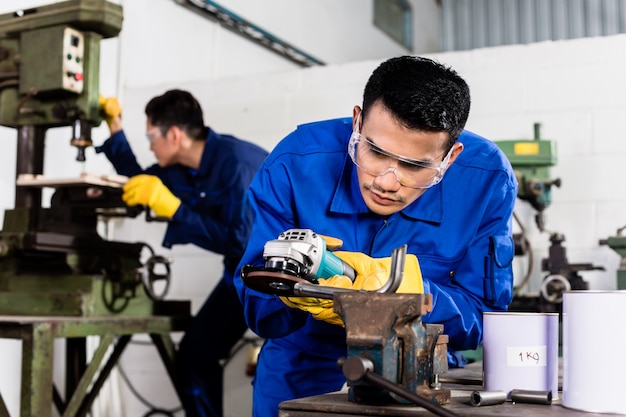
461 381
83 380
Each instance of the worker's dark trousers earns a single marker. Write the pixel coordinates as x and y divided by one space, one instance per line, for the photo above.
212 334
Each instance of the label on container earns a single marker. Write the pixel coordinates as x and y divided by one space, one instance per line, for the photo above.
526 356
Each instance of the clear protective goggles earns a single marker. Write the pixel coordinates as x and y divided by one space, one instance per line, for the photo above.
412 173
153 134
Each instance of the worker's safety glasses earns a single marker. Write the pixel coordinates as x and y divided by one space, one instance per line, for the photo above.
411 173
153 134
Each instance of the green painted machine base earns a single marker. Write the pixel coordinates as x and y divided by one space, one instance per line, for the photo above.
79 295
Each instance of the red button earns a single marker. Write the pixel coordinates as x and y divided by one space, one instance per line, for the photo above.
78 76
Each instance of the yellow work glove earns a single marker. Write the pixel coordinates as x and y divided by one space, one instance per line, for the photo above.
332 243
148 190
372 274
110 109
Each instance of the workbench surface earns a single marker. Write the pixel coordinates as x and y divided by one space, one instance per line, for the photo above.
461 382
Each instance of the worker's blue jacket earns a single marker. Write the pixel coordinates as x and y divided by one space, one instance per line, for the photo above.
460 230
211 213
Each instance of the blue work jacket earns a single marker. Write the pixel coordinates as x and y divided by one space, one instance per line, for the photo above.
211 213
460 230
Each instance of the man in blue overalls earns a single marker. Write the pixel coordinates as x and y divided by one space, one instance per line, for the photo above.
400 171
198 184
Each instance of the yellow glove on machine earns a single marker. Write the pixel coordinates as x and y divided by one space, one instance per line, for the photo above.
109 109
372 274
148 190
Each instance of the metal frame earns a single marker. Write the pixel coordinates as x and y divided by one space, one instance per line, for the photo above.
250 31
38 393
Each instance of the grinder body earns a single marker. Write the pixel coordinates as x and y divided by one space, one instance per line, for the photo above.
303 253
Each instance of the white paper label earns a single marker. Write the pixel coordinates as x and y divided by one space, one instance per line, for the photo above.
526 356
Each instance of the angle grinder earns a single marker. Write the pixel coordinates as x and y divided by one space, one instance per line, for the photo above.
298 255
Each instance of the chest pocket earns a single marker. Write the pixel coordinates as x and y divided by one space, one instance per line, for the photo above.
498 279
438 270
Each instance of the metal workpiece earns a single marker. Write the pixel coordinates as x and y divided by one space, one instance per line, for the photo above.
396 273
531 397
481 398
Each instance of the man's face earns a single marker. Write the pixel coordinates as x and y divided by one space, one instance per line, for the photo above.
163 147
383 193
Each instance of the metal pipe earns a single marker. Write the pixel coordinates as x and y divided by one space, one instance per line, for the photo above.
531 397
305 289
480 398
398 256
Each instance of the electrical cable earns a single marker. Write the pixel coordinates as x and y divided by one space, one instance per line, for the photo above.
153 408
243 342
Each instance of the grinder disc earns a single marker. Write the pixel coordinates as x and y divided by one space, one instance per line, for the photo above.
270 282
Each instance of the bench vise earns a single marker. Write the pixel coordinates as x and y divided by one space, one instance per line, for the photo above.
392 356
385 335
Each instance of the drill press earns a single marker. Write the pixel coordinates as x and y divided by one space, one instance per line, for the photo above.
531 161
52 260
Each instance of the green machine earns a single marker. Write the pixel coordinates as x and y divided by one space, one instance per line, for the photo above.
52 260
618 244
532 160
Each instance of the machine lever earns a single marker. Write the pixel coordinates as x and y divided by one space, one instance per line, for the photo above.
357 368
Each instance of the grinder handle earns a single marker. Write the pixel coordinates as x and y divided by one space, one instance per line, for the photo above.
333 265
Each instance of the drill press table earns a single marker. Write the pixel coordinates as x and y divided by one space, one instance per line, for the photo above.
38 393
462 382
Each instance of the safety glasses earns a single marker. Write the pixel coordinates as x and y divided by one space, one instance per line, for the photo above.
412 173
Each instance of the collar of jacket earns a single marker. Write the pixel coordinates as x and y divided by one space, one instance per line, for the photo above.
209 152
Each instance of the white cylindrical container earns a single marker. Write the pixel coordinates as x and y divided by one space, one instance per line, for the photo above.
594 337
521 351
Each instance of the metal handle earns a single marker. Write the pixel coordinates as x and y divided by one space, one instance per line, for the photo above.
357 368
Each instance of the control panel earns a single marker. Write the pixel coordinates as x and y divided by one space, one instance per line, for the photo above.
52 61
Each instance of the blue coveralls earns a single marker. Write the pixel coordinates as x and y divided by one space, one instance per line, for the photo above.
211 216
460 231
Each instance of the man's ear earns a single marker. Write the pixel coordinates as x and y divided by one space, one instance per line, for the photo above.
356 118
457 148
176 135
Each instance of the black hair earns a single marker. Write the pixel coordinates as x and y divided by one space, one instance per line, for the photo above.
177 108
421 93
